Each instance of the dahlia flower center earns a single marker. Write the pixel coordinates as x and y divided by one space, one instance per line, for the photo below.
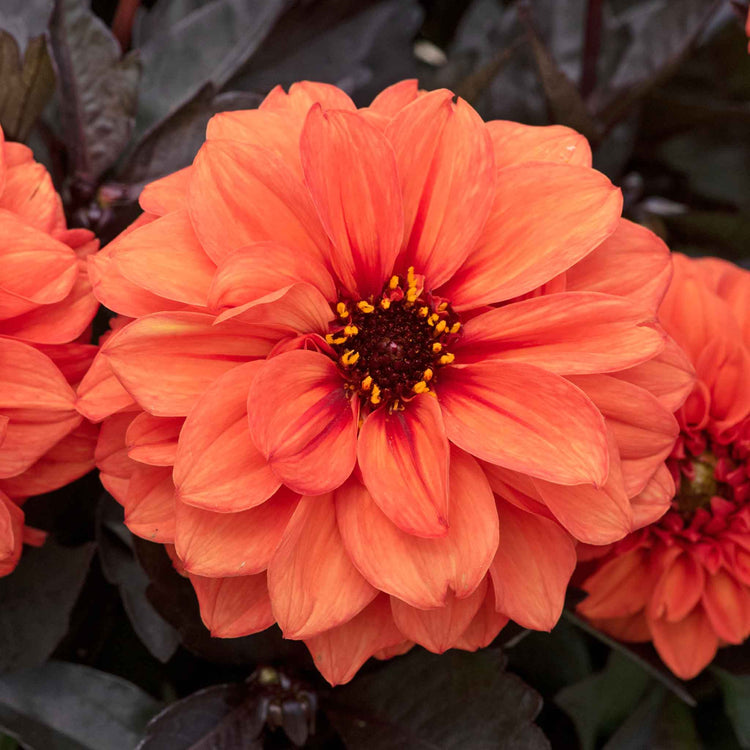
704 469
391 347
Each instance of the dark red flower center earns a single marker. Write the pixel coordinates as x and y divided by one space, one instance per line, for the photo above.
391 348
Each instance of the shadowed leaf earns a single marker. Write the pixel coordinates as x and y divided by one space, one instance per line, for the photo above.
97 88
428 702
61 706
26 85
37 600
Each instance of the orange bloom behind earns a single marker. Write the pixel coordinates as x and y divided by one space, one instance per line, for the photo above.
684 582
46 304
384 367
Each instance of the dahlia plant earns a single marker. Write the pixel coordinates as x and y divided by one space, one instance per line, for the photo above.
376 371
683 582
46 305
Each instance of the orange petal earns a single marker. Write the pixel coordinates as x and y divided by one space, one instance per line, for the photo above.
592 515
73 360
240 194
405 455
643 262
58 322
260 127
313 584
631 628
525 419
167 194
100 393
678 589
351 172
726 603
254 271
11 533
732 284
299 308
686 646
485 626
438 629
30 194
654 500
302 96
165 258
37 270
644 430
446 167
185 351
231 544
111 453
422 571
114 291
531 570
233 607
621 587
391 100
303 422
37 401
149 503
518 489
545 218
567 333
65 462
669 376
514 143
339 652
153 440
218 466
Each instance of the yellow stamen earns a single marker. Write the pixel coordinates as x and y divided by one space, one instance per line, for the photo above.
411 294
336 340
365 306
385 303
446 359
366 383
433 319
375 397
393 283
442 307
422 312
342 310
410 280
440 327
420 387
329 338
349 357
427 375
436 347
351 330
455 327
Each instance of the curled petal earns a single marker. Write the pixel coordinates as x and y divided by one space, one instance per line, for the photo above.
405 455
153 440
686 646
217 466
303 422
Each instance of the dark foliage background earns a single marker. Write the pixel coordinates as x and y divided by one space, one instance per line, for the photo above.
98 635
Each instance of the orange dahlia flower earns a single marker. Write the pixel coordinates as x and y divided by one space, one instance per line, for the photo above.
386 365
46 304
684 581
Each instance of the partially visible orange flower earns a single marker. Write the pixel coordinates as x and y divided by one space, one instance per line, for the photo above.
385 367
684 582
46 306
